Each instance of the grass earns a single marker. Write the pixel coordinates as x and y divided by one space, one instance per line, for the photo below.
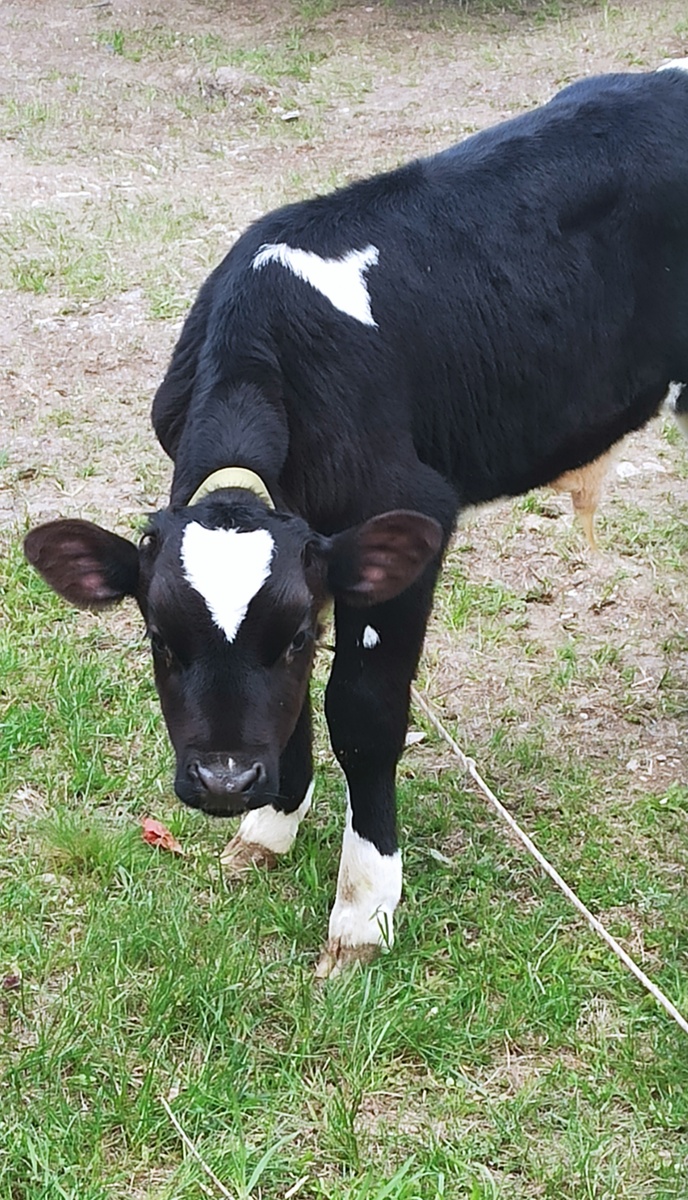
92 256
498 1051
285 57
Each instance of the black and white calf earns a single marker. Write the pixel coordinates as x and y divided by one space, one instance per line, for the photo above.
358 369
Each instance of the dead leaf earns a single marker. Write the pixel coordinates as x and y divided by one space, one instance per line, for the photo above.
413 737
157 834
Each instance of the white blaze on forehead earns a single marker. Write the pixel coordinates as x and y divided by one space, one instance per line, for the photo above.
339 279
227 568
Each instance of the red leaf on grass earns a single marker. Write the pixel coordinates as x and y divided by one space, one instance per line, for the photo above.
157 834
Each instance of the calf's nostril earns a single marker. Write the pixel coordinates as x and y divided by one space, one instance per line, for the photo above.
193 771
225 781
245 781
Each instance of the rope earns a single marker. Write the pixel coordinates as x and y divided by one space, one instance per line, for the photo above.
470 768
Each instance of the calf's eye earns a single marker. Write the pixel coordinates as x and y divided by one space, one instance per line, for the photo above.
298 642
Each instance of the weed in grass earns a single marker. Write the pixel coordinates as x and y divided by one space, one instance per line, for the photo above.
20 117
165 303
49 251
310 10
63 259
465 604
663 536
288 59
567 658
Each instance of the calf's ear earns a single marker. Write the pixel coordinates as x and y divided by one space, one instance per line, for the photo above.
85 564
374 562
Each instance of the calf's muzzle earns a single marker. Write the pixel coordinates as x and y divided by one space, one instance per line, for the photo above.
223 786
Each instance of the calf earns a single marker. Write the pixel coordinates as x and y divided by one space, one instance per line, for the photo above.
359 368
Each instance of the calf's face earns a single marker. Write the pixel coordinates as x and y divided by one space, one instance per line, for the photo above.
231 593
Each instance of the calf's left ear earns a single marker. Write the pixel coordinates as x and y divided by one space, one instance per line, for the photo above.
85 564
374 562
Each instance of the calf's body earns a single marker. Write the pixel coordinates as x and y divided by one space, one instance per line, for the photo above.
469 326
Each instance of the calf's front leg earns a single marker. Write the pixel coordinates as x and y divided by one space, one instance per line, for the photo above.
266 833
367 699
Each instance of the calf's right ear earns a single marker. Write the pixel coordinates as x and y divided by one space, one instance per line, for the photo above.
87 565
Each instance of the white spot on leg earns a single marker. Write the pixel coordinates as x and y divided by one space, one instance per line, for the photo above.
272 829
227 568
368 891
371 638
339 279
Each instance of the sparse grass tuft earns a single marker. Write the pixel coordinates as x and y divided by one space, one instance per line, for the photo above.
48 251
287 56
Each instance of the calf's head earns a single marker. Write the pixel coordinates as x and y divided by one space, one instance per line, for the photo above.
231 593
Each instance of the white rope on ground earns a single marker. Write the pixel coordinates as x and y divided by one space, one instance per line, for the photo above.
470 768
190 1146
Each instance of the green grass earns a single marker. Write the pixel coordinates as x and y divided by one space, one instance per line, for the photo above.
18 116
498 1051
285 57
92 256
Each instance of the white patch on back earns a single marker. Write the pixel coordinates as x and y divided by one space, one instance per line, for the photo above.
676 64
227 568
368 891
339 279
371 638
272 829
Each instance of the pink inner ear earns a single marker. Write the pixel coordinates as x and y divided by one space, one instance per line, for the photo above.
374 574
94 587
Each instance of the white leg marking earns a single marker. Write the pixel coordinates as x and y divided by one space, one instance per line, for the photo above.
227 567
673 392
670 401
371 638
339 279
675 64
274 830
368 891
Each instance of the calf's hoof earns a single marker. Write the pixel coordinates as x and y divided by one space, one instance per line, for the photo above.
238 857
336 958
